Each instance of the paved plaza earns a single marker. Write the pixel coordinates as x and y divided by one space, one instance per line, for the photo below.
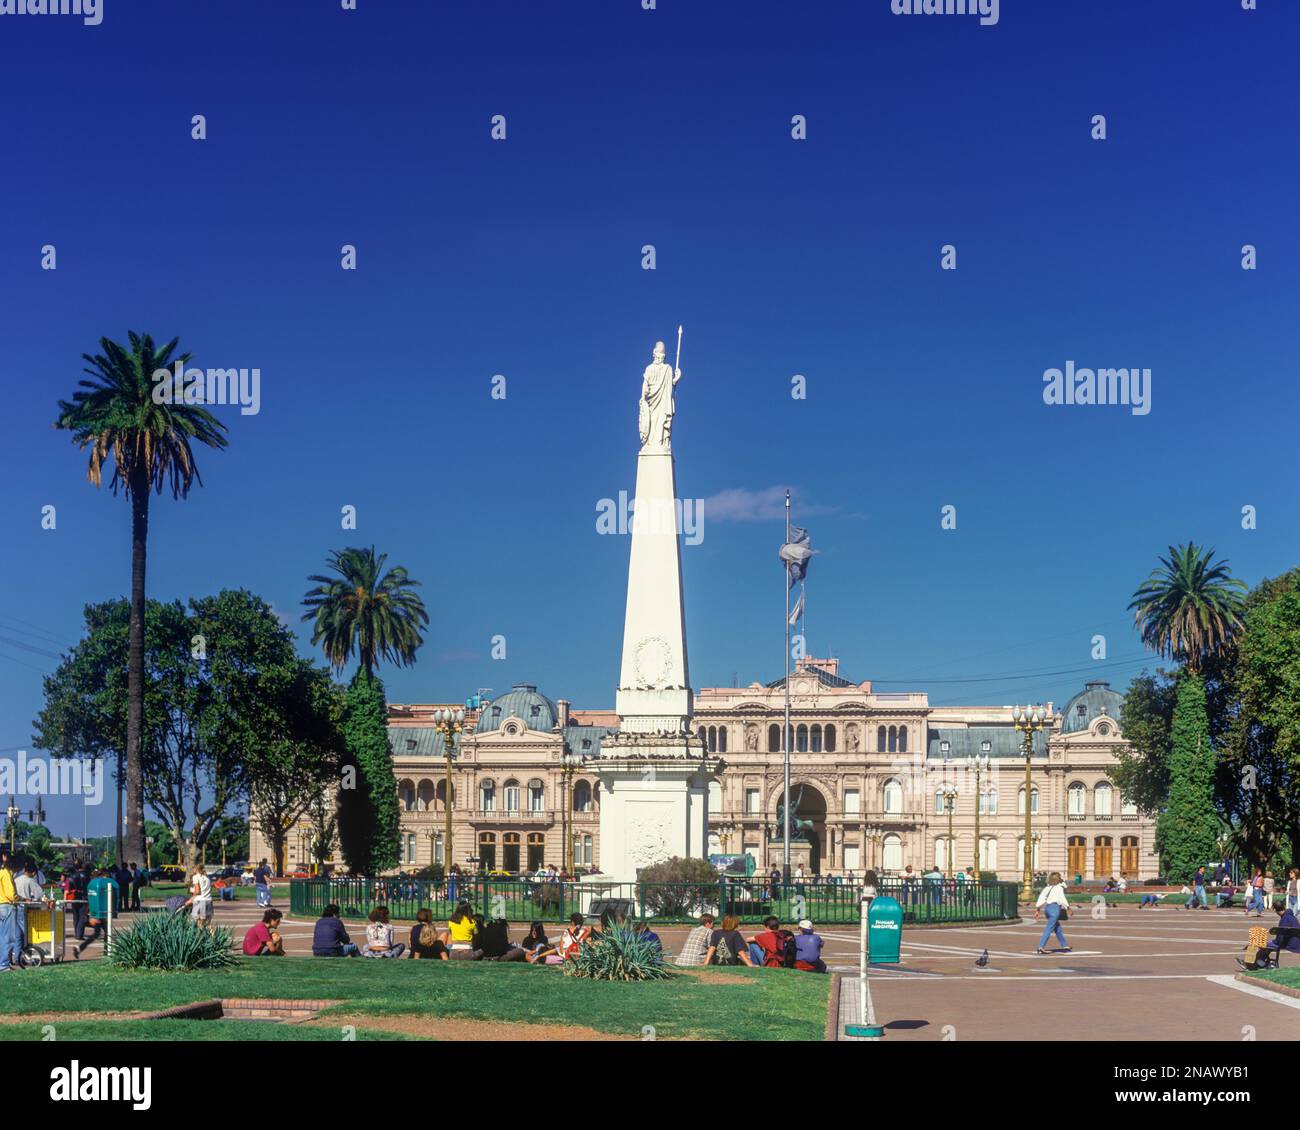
1151 975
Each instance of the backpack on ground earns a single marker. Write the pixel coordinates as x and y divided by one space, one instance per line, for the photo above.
788 952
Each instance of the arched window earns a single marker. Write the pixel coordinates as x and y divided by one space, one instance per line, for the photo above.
1020 855
815 735
942 847
893 739
880 739
939 808
715 796
536 850
892 797
801 739
1128 855
774 739
1033 801
1078 799
510 852
892 857
536 795
902 739
424 794
582 797
988 853
1101 797
408 796
991 802
512 796
722 739
487 795
710 739
440 796
487 850
828 739
1127 806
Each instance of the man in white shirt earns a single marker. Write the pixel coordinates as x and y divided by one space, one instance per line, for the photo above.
28 884
1122 885
1053 903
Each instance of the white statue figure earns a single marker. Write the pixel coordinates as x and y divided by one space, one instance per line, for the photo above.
657 407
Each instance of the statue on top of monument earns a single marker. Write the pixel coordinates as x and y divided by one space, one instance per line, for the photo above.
657 407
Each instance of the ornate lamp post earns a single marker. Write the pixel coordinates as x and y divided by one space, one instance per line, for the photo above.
1028 720
978 762
569 761
449 724
949 804
873 834
12 812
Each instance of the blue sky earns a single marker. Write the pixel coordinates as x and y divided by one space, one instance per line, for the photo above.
523 258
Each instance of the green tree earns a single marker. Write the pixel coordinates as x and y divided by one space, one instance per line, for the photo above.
368 818
1189 609
366 611
114 414
373 615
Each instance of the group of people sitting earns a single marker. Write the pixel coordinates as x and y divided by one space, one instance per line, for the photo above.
772 948
467 936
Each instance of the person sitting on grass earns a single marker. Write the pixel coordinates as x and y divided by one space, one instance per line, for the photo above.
330 938
462 928
493 940
263 938
644 932
697 942
808 949
769 947
575 934
426 941
537 946
379 936
727 945
1261 952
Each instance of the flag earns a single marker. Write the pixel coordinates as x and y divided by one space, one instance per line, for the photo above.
796 554
797 611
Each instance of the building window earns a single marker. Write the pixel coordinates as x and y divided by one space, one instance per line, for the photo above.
440 795
829 739
487 850
774 739
988 853
512 797
722 739
408 797
715 796
801 739
939 808
510 852
1078 797
1127 807
1128 855
587 856
902 739
893 797
582 797
753 801
1020 854
880 739
536 795
945 748
536 851
991 805
852 857
986 747
487 795
1033 801
852 802
892 857
437 849
943 860
893 739
1101 799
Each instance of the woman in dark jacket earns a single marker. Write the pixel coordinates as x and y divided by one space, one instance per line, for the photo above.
422 932
537 946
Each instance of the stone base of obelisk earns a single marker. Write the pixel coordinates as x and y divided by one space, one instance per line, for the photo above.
654 803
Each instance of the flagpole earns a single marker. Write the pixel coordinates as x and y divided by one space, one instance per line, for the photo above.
785 734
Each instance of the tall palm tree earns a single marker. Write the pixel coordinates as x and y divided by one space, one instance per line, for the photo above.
366 611
114 414
1190 608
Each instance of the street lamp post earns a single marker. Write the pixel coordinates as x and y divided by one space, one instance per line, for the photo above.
873 834
569 761
1028 720
12 812
949 804
449 724
979 762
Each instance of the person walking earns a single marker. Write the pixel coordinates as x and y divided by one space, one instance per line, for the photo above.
1256 900
137 881
200 900
262 877
1198 891
1053 903
1293 891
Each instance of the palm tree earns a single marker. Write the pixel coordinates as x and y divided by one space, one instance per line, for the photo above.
365 610
1190 608
114 413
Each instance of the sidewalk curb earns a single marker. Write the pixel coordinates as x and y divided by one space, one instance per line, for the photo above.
832 1033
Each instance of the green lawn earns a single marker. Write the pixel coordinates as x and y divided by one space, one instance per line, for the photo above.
160 891
1289 975
760 1004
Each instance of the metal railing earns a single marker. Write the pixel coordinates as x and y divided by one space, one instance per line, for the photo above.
924 902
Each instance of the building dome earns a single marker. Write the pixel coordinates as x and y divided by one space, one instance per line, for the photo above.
523 701
1095 699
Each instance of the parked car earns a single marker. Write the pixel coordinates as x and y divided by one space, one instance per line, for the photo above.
168 873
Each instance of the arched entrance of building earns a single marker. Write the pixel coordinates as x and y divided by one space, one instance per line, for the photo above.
807 823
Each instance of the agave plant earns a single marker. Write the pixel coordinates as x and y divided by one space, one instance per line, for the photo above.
170 941
619 953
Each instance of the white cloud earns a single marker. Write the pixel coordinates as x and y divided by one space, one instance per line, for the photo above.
736 504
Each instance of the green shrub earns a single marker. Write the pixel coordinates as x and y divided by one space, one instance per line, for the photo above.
689 887
170 941
619 953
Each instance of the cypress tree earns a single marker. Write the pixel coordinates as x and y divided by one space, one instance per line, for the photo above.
369 820
1188 827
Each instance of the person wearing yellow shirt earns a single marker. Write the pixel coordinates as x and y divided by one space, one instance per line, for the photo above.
462 926
10 941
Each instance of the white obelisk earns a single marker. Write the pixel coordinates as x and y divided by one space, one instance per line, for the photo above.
654 774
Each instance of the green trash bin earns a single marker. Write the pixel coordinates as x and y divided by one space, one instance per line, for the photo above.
884 931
